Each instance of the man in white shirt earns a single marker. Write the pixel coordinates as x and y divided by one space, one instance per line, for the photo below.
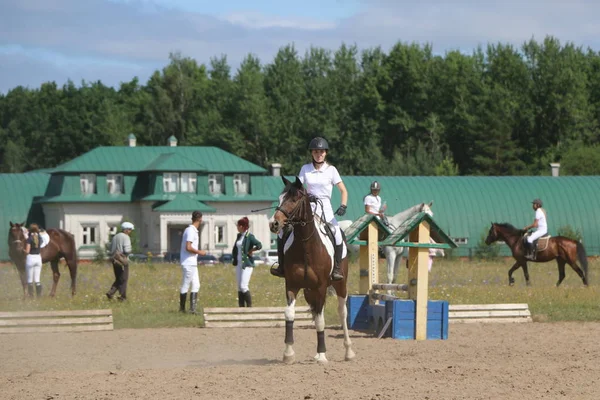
189 263
539 224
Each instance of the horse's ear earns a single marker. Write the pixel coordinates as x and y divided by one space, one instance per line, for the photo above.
11 224
430 203
285 180
298 183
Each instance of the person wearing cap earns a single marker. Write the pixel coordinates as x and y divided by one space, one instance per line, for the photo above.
120 248
539 224
245 244
319 178
188 254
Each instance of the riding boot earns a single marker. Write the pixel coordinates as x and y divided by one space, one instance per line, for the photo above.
337 261
193 302
528 250
279 270
30 289
248 299
38 290
241 298
182 297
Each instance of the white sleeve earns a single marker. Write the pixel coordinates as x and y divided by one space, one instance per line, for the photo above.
302 174
369 201
335 176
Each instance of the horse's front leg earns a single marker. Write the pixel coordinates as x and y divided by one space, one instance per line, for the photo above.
343 313
290 313
23 277
72 264
55 276
526 273
319 319
511 280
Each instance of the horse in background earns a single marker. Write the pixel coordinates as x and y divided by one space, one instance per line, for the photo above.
393 254
308 263
563 249
61 245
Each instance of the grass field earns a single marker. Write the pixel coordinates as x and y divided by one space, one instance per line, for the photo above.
154 300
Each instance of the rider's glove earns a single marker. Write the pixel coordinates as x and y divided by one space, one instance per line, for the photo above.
341 210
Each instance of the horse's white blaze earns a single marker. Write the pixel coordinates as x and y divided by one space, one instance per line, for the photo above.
288 243
290 311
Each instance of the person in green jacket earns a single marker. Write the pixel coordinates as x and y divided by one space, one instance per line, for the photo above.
245 245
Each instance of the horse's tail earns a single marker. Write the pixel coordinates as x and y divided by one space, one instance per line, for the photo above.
582 256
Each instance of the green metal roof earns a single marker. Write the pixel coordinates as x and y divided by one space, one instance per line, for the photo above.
16 202
174 162
412 222
360 224
124 159
183 203
87 198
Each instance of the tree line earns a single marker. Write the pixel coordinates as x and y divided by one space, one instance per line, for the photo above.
500 110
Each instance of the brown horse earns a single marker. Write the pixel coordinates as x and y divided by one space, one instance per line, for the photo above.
308 262
564 250
62 245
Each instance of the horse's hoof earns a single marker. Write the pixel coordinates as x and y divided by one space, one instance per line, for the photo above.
321 359
350 355
289 359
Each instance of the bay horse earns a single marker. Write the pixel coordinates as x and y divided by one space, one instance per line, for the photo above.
61 245
308 262
563 249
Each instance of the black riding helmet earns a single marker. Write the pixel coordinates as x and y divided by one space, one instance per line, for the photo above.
538 202
375 185
318 143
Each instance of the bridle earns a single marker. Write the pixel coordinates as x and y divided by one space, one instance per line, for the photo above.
293 218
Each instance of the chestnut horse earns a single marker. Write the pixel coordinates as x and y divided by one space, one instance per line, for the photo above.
62 245
308 262
564 250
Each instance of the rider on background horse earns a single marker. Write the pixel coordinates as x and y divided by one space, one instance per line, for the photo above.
319 178
540 225
373 204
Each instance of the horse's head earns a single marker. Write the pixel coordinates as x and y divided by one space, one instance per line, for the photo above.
492 235
426 208
293 208
16 236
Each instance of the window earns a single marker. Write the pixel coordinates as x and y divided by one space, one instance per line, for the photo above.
170 182
462 240
219 235
188 182
88 183
88 235
114 184
215 183
241 183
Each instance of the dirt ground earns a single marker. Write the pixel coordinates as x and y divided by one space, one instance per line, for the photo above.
482 361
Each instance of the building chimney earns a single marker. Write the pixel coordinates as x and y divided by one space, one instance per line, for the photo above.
276 169
172 141
131 140
555 168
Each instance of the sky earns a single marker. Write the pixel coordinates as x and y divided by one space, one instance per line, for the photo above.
116 40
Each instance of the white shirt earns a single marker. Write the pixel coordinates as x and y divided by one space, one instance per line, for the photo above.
374 203
540 216
319 183
189 235
238 244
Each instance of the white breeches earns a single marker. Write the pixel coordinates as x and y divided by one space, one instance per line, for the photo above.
189 276
33 267
243 277
536 235
430 263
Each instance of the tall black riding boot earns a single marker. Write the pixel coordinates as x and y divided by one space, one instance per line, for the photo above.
30 289
241 298
193 302
337 261
38 290
182 297
248 299
279 270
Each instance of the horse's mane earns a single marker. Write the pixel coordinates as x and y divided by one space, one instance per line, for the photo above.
509 227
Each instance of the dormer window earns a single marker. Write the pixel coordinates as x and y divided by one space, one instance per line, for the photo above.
188 182
114 184
170 182
241 183
215 184
88 183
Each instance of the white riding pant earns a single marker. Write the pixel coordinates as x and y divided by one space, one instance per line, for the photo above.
243 277
536 235
189 277
33 267
337 233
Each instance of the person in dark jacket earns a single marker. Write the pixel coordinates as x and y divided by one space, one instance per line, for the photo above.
245 245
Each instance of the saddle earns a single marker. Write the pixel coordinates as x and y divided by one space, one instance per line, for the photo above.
538 245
